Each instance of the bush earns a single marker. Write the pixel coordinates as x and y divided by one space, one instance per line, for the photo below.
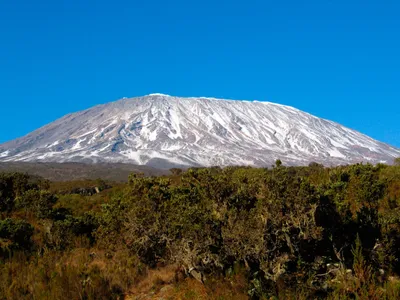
15 235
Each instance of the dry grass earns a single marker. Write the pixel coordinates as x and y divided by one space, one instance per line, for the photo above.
165 283
78 274
153 282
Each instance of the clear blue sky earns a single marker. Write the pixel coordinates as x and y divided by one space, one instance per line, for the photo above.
337 59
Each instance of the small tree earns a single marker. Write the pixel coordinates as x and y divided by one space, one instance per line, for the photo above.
278 163
17 232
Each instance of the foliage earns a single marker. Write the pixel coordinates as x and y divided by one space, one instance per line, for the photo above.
15 235
284 232
13 185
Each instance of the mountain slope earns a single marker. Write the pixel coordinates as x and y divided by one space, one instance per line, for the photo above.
164 131
71 171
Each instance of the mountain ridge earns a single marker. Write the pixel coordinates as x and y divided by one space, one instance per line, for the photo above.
167 131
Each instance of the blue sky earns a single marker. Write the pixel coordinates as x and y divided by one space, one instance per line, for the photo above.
335 59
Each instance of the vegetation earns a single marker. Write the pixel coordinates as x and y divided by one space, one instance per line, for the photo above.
205 233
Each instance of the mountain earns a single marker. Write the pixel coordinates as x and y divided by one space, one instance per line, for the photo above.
164 131
71 171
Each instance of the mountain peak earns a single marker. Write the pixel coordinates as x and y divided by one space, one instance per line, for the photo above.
196 132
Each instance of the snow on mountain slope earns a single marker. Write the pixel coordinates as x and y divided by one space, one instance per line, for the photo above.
164 131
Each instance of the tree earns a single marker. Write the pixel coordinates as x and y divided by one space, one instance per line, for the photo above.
12 186
278 163
39 202
397 161
18 232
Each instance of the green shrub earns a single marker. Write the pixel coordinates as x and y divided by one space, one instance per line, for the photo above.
15 235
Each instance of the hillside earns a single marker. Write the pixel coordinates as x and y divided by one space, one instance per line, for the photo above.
74 171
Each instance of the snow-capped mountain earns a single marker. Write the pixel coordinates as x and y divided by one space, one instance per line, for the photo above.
166 131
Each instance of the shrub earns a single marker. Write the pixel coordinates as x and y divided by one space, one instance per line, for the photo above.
15 235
